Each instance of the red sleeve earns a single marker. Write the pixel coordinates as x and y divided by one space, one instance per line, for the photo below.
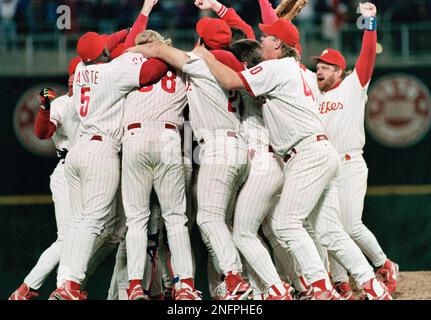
228 59
245 83
152 71
367 58
234 21
267 12
139 26
43 127
116 38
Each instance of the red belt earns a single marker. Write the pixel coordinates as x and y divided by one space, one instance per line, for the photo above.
138 125
321 137
289 155
96 138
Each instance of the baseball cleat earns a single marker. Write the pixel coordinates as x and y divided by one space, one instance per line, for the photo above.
137 293
183 291
388 273
23 293
374 289
345 291
275 294
328 294
65 292
233 287
304 295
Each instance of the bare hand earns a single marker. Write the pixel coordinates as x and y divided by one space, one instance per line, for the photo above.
148 7
367 9
149 50
208 4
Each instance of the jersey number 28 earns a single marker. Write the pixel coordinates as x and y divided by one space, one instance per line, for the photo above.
168 83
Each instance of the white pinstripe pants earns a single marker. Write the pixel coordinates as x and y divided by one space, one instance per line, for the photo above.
152 157
224 167
50 258
255 199
93 173
310 190
352 186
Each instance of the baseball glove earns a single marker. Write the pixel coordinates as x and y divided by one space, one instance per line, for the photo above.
288 9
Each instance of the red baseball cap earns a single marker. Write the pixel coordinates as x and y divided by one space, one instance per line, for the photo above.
90 46
215 32
283 29
73 64
332 56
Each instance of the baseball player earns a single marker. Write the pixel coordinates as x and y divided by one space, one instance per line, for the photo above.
57 119
297 135
92 167
223 150
341 107
264 182
152 158
286 266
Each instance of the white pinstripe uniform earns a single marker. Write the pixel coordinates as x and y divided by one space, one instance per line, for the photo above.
215 121
256 197
152 157
342 109
64 116
284 262
296 131
93 165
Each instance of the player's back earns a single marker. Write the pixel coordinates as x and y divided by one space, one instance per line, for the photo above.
290 108
211 106
161 101
99 92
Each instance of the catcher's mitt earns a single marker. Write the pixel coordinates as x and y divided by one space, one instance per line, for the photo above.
288 9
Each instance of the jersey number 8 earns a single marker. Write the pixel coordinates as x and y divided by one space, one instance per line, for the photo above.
168 83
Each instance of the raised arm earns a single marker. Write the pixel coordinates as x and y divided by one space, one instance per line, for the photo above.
173 56
229 15
267 12
367 58
44 128
114 39
227 77
140 24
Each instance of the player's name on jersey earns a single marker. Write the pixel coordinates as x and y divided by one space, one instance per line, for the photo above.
328 106
88 76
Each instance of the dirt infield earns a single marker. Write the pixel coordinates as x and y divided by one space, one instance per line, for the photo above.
414 286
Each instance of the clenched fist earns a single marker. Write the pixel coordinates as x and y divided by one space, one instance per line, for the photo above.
46 96
367 9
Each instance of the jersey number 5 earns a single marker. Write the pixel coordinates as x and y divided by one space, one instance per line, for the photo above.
85 100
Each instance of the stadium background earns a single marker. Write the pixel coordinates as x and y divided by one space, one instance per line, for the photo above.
398 203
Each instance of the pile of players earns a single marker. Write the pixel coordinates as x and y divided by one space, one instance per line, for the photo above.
280 150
